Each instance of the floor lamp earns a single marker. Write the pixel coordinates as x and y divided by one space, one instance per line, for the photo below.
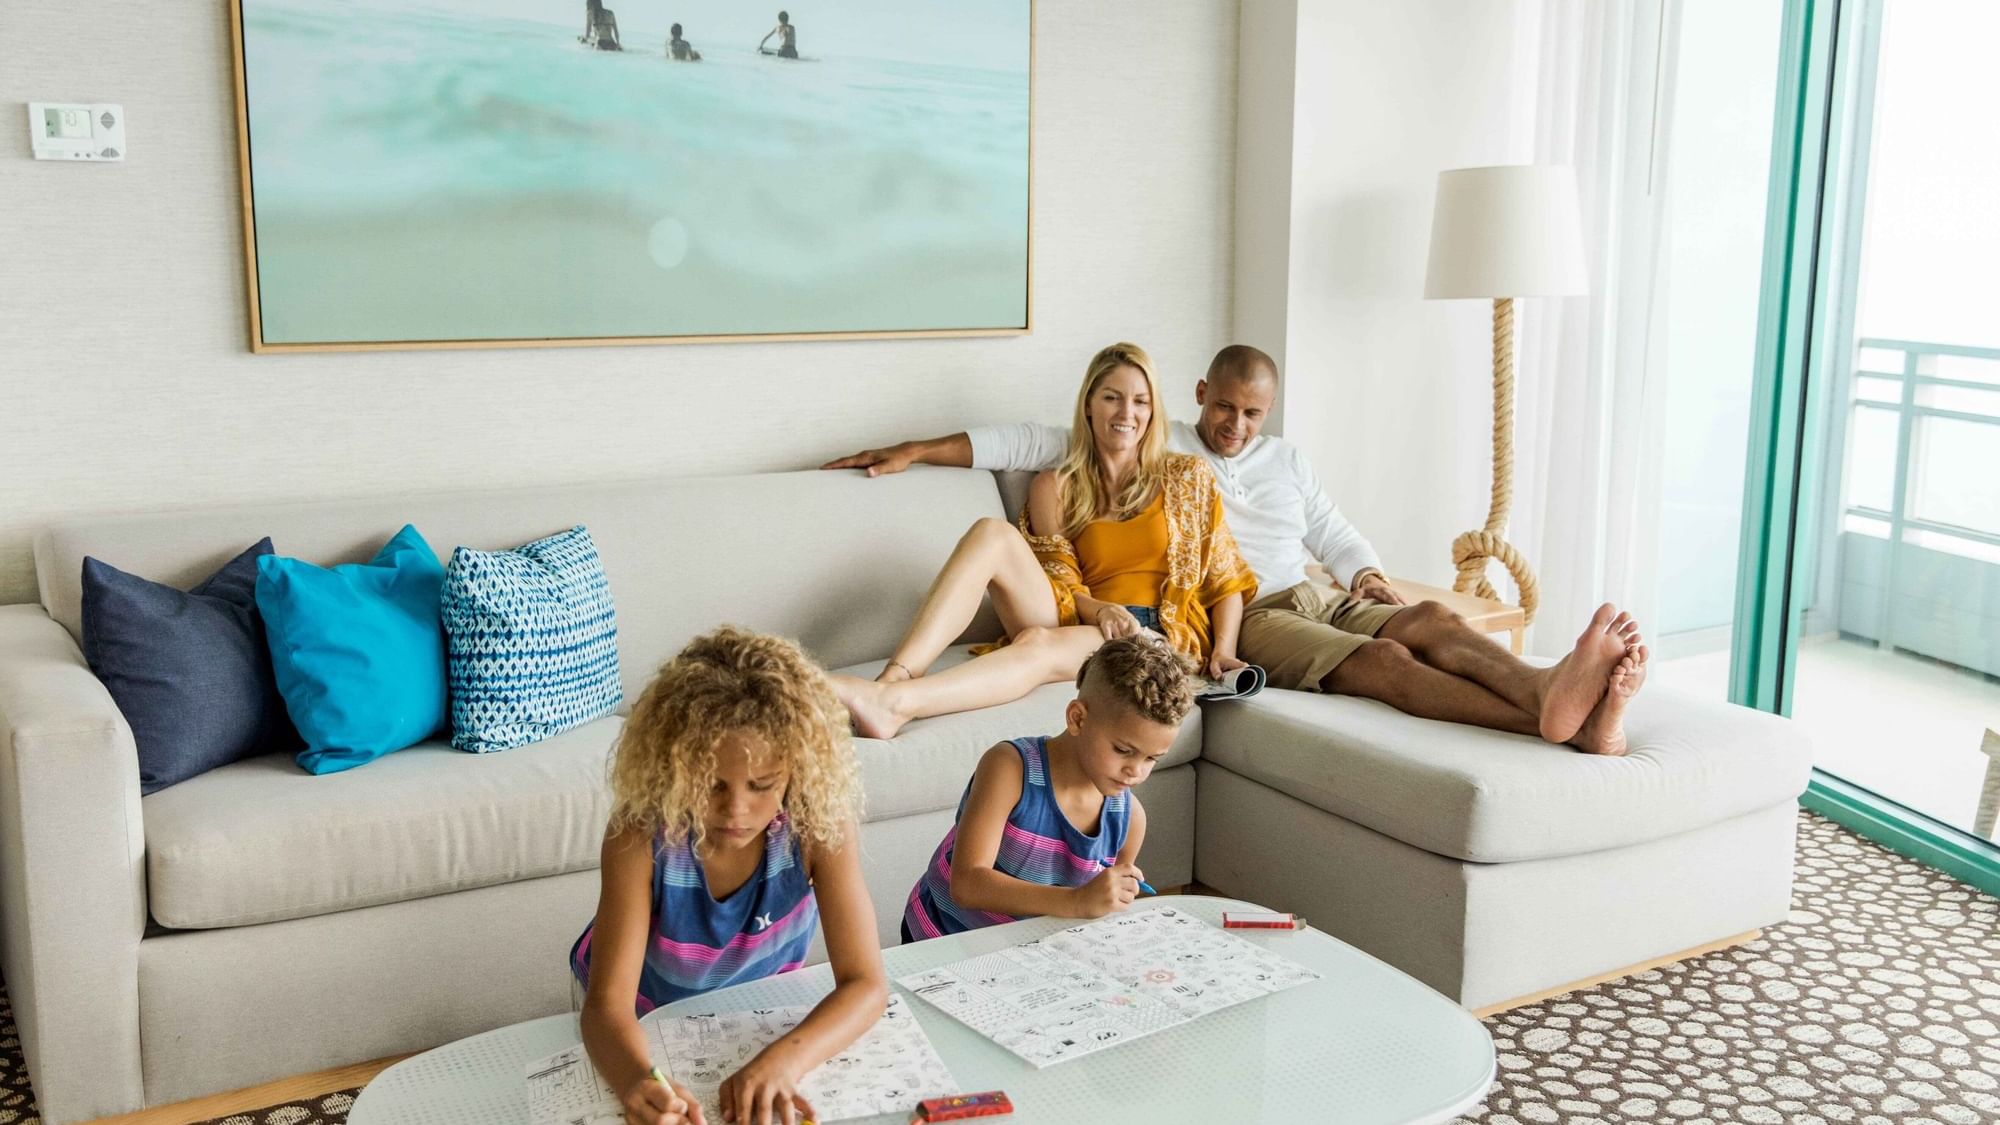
1503 232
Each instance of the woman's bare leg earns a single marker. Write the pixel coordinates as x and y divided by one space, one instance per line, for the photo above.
1036 656
991 558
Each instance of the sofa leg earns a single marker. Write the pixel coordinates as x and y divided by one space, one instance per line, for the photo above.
1629 970
296 1088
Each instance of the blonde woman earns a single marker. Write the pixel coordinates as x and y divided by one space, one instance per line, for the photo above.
732 841
1123 536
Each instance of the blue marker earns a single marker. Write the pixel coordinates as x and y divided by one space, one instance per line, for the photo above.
1145 888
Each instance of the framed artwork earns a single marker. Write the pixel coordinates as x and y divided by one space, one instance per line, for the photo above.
486 173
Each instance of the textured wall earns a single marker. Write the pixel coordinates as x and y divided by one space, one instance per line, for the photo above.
1387 393
126 383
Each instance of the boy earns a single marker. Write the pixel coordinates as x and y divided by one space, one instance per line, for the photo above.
788 37
678 49
1049 824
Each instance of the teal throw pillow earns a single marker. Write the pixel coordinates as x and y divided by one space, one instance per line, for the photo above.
357 650
531 642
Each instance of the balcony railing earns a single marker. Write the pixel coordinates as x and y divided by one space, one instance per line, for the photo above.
1921 477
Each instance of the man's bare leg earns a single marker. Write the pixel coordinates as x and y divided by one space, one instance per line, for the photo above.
1560 698
993 558
1036 656
1385 670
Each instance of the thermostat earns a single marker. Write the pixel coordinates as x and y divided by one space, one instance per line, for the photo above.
64 131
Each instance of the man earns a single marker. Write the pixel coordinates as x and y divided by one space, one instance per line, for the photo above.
1421 659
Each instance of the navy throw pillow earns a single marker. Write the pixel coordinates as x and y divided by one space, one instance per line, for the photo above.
189 669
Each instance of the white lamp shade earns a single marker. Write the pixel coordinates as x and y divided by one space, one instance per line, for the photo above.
1508 231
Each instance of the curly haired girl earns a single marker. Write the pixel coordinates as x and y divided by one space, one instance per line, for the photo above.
735 799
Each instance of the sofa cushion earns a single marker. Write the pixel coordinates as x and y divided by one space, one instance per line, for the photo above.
258 841
531 642
925 767
358 650
787 553
189 671
1480 795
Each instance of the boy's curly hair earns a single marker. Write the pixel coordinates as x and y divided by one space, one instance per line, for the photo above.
735 681
1143 674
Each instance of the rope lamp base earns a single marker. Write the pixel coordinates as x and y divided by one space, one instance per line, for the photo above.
1471 551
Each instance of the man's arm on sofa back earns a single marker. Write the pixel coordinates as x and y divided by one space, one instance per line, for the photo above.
72 872
1021 447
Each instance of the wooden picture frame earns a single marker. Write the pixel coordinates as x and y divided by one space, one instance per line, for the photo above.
262 343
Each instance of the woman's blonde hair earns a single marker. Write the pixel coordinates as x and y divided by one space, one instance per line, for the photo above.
1086 495
733 681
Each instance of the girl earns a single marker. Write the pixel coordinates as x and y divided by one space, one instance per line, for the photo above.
735 798
1123 537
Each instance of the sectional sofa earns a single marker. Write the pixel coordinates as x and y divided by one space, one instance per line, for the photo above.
256 922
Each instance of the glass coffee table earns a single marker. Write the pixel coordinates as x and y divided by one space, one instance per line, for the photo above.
1363 1045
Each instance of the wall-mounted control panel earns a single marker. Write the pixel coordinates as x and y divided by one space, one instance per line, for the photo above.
74 131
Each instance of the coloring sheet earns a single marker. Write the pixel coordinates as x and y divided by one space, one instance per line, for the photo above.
1041 1005
1188 964
564 1089
1093 986
888 1070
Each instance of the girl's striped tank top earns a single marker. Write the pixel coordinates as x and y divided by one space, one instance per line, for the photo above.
699 944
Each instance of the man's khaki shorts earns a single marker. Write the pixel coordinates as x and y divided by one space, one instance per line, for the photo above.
1301 634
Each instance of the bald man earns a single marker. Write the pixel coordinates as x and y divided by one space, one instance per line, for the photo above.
1362 640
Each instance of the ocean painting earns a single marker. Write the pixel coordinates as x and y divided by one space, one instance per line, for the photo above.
476 171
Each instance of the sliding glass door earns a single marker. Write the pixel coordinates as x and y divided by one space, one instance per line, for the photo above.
1868 584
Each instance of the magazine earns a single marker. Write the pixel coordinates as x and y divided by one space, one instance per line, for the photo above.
1242 683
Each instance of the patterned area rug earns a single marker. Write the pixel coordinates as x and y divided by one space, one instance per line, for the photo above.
1877 1002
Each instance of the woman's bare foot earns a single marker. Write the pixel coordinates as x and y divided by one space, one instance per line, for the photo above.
894 672
869 706
1604 731
1576 684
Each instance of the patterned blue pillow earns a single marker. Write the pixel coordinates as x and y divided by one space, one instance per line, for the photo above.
531 642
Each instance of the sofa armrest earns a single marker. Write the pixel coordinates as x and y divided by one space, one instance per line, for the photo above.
72 872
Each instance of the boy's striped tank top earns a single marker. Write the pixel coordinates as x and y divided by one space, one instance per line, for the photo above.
1039 845
698 944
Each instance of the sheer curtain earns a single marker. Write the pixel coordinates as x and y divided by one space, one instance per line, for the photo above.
1591 369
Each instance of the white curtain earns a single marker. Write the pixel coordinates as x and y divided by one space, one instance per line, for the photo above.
1591 370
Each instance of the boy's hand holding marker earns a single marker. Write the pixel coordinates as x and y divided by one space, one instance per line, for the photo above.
1113 890
1145 888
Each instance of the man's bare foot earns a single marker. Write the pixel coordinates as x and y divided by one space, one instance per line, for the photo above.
1574 686
868 706
1604 731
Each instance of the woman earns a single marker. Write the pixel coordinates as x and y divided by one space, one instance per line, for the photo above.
600 27
1122 536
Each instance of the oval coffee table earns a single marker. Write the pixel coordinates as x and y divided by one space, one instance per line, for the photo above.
1363 1045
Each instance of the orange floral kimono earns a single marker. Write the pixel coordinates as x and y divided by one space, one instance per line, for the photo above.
1203 566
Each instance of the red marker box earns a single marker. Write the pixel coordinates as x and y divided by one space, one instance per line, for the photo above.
992 1103
1261 920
